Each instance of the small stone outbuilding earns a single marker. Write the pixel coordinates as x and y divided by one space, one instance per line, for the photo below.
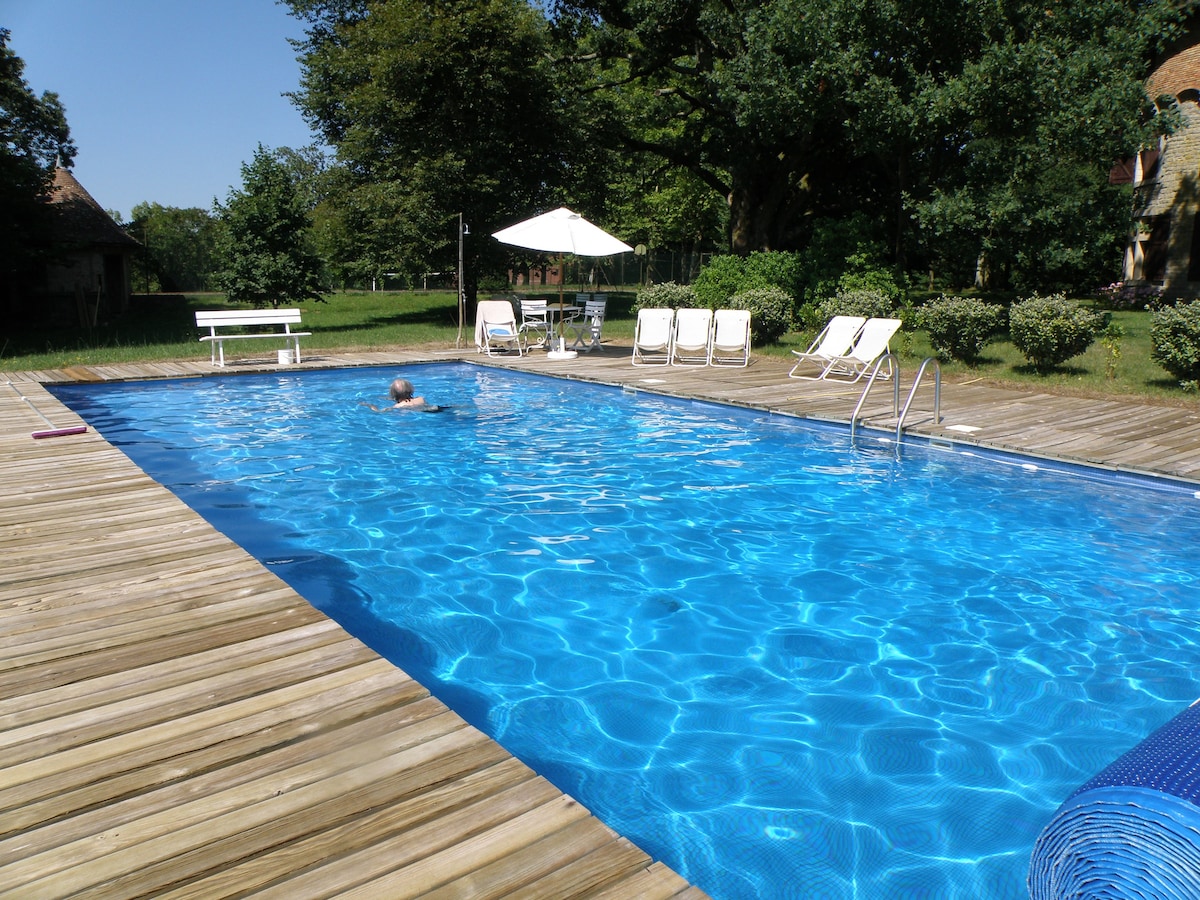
88 277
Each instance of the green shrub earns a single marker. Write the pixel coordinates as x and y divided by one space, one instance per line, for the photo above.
777 269
727 275
770 312
723 277
838 246
866 303
667 295
863 274
494 284
959 327
1050 330
1175 340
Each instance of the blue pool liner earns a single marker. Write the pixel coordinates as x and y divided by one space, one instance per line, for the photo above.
1133 831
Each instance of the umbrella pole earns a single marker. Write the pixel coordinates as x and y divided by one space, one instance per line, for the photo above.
462 297
562 277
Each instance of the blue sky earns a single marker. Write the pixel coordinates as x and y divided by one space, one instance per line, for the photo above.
165 98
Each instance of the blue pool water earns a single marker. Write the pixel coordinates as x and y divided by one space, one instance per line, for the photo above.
785 667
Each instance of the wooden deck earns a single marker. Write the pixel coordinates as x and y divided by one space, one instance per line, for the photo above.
177 722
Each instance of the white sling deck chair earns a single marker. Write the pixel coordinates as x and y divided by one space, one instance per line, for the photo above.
496 328
652 337
835 339
691 337
731 338
872 342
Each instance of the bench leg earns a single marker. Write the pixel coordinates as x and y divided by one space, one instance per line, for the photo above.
296 342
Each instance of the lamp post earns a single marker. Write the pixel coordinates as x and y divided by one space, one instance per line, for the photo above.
462 297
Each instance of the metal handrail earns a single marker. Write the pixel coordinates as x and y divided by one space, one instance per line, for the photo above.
894 374
937 395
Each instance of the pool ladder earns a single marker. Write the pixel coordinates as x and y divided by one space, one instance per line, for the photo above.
893 373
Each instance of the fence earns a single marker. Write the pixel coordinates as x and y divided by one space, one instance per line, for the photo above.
653 267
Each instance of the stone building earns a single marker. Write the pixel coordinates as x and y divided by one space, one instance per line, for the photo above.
1164 245
88 277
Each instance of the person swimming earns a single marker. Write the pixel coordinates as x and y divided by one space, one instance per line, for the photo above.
401 392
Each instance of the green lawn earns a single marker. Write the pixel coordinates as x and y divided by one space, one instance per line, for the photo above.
1124 370
162 327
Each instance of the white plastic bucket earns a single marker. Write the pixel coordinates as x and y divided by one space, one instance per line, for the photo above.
285 357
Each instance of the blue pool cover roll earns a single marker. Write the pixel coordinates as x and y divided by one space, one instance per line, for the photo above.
1133 831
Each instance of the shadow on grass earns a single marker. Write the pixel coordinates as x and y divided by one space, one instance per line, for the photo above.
973 364
1172 384
157 319
167 321
438 318
1029 370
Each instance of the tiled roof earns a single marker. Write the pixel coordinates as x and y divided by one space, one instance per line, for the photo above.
81 219
1177 74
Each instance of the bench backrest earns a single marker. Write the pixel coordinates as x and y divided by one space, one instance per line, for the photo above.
212 317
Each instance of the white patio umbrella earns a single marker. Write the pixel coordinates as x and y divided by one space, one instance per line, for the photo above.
561 231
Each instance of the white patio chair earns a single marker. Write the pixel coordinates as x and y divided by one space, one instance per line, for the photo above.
496 328
731 338
872 342
652 337
692 337
535 321
588 326
835 339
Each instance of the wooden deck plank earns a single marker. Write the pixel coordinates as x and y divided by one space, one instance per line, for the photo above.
48 669
175 843
38 778
177 722
410 829
435 869
200 692
655 883
514 870
309 866
599 868
159 782
78 623
68 699
65 611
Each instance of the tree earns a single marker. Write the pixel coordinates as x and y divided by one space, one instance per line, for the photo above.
742 94
179 246
34 138
663 206
803 111
268 259
973 135
435 109
1026 131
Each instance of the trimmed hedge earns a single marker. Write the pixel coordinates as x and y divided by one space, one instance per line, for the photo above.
1175 340
667 295
770 312
960 327
868 303
1052 329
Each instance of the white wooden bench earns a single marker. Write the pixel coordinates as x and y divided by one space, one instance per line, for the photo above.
213 319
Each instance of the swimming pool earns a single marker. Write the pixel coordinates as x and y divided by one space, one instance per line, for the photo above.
783 666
